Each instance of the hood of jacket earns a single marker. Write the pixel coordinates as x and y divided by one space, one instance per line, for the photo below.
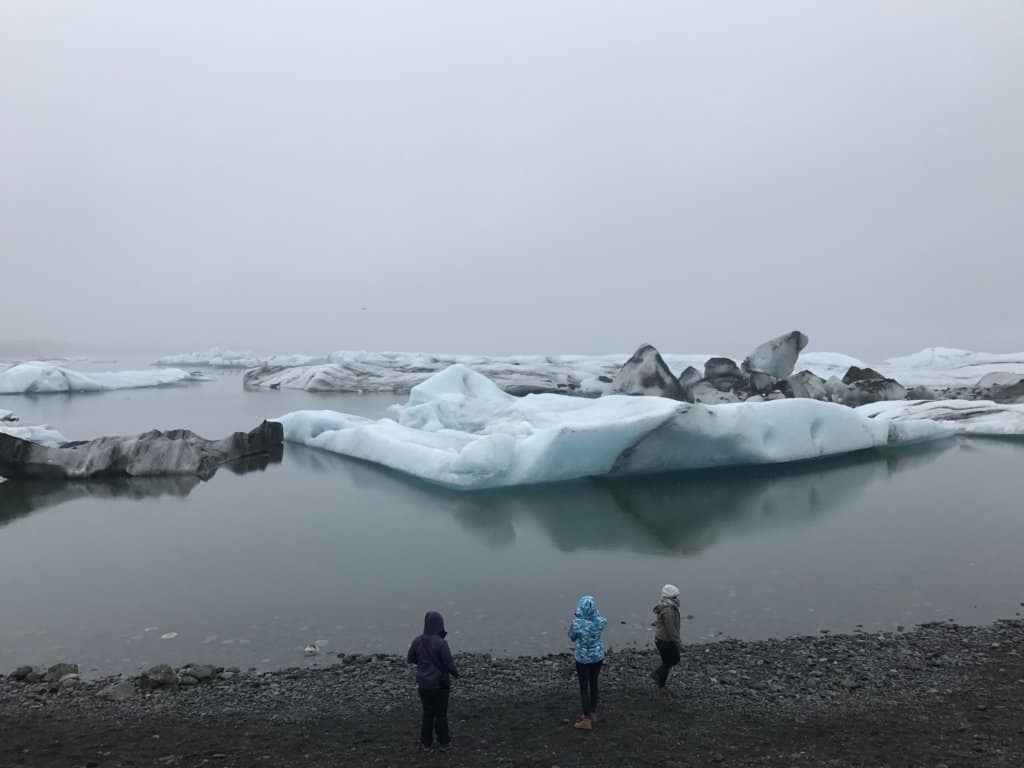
433 624
586 608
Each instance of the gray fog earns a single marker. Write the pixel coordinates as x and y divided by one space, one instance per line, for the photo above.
512 177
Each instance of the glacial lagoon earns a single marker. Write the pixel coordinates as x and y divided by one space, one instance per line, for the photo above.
251 567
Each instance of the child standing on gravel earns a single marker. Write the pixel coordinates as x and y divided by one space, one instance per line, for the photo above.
585 631
434 670
666 633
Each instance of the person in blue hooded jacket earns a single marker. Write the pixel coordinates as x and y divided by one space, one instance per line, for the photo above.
585 631
435 669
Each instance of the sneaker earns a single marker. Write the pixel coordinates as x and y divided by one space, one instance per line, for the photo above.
426 747
444 747
593 717
584 724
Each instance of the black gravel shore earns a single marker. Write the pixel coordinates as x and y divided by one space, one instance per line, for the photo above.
942 695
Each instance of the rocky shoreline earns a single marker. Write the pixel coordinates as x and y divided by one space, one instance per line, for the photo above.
943 694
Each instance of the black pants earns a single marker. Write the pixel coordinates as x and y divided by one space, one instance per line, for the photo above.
669 658
588 674
435 716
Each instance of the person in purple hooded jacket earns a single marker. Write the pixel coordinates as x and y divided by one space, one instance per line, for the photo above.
434 670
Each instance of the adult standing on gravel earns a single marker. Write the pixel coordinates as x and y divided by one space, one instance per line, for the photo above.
434 670
585 631
666 633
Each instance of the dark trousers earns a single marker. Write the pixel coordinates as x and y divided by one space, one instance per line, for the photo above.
669 653
435 716
588 674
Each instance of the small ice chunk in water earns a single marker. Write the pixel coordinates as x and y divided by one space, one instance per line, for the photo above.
168 635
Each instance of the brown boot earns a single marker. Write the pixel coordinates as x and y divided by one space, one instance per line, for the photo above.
584 724
593 717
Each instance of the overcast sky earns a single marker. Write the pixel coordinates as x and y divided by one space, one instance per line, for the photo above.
512 176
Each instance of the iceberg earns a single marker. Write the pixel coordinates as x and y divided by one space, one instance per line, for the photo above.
460 430
36 434
7 417
399 372
45 378
154 453
215 357
966 417
594 375
646 373
777 356
947 367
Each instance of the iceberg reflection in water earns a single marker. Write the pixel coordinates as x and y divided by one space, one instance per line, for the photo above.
682 513
249 570
23 496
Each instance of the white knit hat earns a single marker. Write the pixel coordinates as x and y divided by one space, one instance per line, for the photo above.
669 591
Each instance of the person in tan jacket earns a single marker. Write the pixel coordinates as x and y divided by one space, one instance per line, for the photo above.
666 633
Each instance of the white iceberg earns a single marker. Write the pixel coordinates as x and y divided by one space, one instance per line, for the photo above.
399 372
215 357
946 367
458 429
41 434
45 378
966 417
588 375
827 364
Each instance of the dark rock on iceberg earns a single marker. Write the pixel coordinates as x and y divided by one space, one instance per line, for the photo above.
721 366
646 373
855 374
724 375
175 452
776 357
1011 394
865 391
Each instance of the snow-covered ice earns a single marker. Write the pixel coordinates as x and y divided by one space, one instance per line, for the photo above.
37 434
592 375
459 429
967 417
399 372
946 367
215 357
45 378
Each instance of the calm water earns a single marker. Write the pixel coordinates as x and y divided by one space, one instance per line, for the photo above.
248 568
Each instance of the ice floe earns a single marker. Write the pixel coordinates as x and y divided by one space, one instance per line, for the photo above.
968 417
460 430
594 375
35 434
46 378
946 367
154 453
399 372
215 357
